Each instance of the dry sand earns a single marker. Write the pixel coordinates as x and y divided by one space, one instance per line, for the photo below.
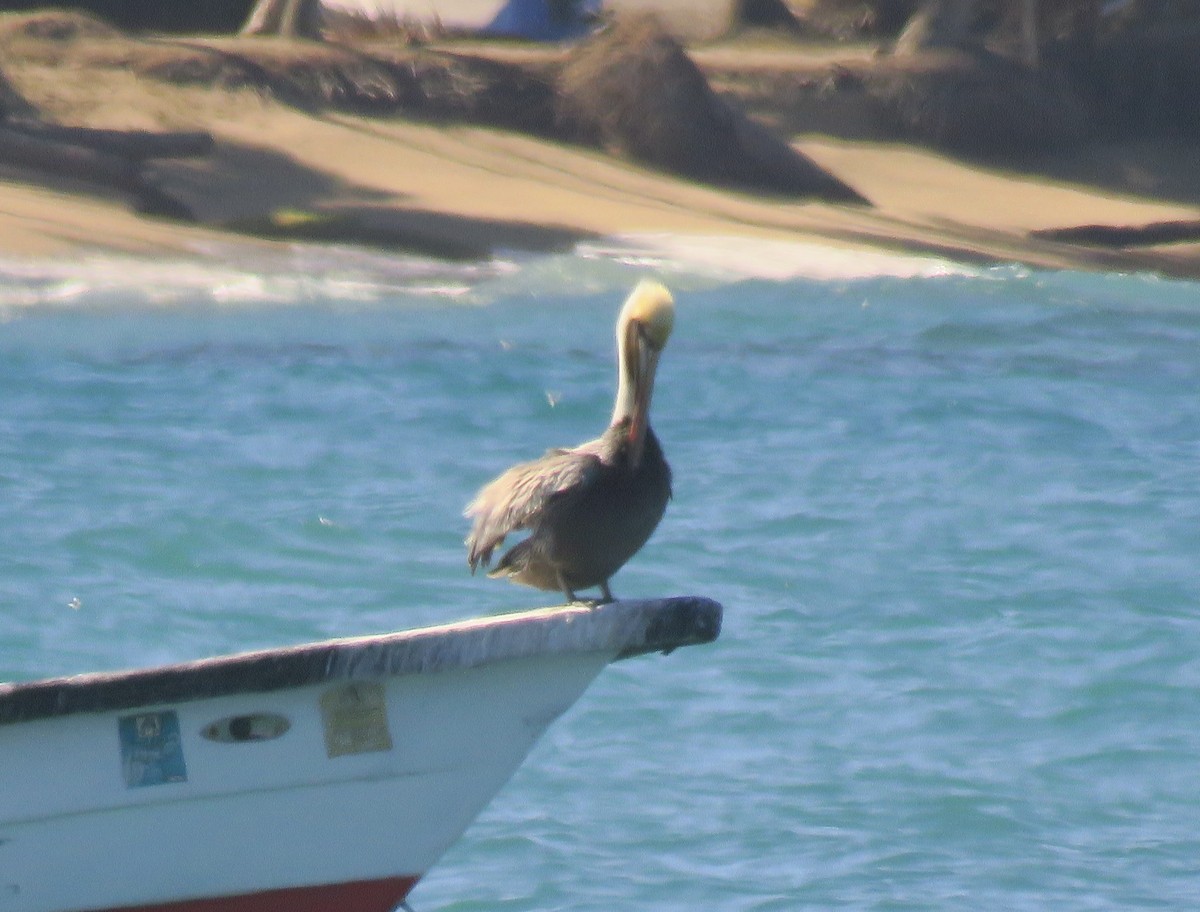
467 190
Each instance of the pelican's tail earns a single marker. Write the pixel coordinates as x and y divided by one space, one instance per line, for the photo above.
514 561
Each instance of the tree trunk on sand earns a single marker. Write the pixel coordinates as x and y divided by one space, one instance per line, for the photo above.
1029 33
286 18
937 24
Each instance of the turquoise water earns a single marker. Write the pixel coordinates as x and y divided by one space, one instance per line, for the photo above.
953 515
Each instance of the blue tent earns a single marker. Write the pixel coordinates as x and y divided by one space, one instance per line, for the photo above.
544 20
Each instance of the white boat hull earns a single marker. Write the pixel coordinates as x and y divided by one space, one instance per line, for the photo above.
338 794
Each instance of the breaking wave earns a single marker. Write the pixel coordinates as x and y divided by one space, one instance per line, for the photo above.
228 276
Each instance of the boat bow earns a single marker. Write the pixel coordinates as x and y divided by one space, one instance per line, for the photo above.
325 776
624 629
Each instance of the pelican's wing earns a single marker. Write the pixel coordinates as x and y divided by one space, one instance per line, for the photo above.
518 498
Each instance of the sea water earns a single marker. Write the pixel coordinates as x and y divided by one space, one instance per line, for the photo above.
953 515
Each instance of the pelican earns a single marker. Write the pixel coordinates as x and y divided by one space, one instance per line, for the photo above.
589 508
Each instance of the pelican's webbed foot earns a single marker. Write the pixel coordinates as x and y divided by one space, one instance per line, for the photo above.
572 598
606 595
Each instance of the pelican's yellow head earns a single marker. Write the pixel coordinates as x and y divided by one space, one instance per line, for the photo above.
651 308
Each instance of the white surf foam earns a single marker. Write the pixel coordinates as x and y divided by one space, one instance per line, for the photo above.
735 258
226 276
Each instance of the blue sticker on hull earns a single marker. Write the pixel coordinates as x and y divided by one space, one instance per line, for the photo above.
151 749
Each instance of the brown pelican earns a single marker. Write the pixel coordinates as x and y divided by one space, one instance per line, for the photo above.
589 508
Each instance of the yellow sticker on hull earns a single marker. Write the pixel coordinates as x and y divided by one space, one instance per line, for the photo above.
354 717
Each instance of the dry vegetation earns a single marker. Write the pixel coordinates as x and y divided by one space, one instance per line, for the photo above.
306 75
631 90
1120 77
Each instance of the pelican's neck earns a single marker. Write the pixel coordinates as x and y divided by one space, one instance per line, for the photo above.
626 403
636 362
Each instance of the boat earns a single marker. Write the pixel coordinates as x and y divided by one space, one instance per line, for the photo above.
327 777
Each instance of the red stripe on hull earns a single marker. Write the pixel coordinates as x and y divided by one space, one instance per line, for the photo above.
360 896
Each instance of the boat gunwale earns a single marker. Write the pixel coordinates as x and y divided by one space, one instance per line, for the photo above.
623 629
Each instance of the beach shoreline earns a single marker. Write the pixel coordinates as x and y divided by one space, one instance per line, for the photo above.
279 173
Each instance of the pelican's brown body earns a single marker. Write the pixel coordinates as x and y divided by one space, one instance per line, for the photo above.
589 508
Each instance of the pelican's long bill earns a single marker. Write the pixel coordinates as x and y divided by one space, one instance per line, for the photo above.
643 328
643 365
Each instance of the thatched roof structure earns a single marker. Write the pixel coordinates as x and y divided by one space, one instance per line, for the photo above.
634 90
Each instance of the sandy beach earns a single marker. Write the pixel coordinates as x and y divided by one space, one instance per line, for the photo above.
278 171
